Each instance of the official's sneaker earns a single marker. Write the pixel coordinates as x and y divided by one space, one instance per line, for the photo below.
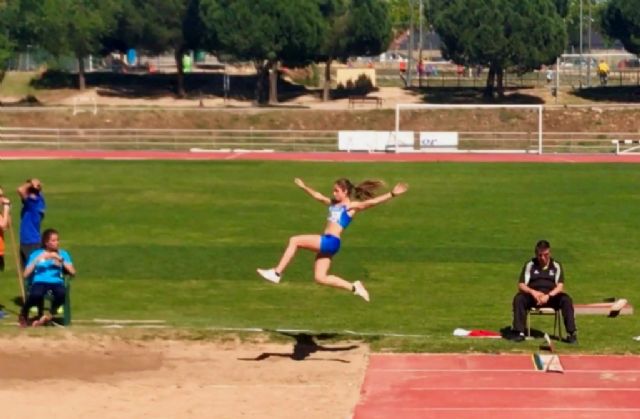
517 337
269 274
572 338
360 290
616 307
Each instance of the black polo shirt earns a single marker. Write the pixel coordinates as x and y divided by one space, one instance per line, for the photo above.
540 278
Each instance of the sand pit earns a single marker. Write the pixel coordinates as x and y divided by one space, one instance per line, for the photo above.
107 377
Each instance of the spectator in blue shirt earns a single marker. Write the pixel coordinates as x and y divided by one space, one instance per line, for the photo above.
33 207
48 265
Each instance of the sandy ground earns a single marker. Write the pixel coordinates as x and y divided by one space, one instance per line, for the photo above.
390 97
106 377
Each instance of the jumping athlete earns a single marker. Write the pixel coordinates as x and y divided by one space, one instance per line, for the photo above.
341 211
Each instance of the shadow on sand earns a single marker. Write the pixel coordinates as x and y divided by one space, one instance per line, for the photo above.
305 345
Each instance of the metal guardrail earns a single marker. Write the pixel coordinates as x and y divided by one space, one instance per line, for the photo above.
165 139
286 140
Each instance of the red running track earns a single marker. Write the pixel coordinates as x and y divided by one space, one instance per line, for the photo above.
458 386
328 156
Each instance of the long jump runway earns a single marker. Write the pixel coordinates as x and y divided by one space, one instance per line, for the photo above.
459 386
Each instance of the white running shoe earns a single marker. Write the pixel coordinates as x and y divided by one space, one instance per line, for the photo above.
269 274
360 290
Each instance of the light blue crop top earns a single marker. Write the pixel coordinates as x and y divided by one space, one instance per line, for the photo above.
339 215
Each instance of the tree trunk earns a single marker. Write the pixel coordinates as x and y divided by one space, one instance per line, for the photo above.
499 82
273 82
327 80
491 78
261 74
81 79
179 52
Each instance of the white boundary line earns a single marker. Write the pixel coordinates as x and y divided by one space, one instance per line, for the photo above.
555 389
313 332
466 371
524 409
122 321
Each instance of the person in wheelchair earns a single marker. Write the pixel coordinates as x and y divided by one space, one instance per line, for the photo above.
48 265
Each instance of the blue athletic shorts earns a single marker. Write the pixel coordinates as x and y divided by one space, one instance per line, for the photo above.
329 245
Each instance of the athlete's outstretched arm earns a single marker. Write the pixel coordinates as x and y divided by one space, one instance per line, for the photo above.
399 189
313 193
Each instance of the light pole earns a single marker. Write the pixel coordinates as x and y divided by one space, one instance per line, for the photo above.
580 63
410 49
421 12
589 47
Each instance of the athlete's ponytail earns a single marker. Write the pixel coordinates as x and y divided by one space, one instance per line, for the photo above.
364 190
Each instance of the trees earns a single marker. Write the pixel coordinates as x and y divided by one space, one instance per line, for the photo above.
621 20
355 28
6 46
6 49
158 26
335 13
266 32
400 12
500 34
171 25
20 18
74 26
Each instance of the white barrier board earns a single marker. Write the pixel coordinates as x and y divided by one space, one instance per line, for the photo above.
438 141
374 140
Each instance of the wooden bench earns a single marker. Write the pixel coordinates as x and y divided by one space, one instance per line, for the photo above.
364 99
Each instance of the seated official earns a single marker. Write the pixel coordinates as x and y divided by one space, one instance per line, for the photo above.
48 265
542 285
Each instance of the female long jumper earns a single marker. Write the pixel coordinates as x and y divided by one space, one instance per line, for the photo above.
341 211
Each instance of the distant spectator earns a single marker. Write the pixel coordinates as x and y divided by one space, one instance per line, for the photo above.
403 66
31 215
549 75
187 64
48 265
603 72
429 70
421 71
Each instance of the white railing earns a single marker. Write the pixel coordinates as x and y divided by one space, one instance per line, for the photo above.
166 139
294 140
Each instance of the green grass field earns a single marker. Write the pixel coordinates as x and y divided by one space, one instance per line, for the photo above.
180 241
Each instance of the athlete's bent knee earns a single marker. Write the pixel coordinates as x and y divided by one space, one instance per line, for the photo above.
321 279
